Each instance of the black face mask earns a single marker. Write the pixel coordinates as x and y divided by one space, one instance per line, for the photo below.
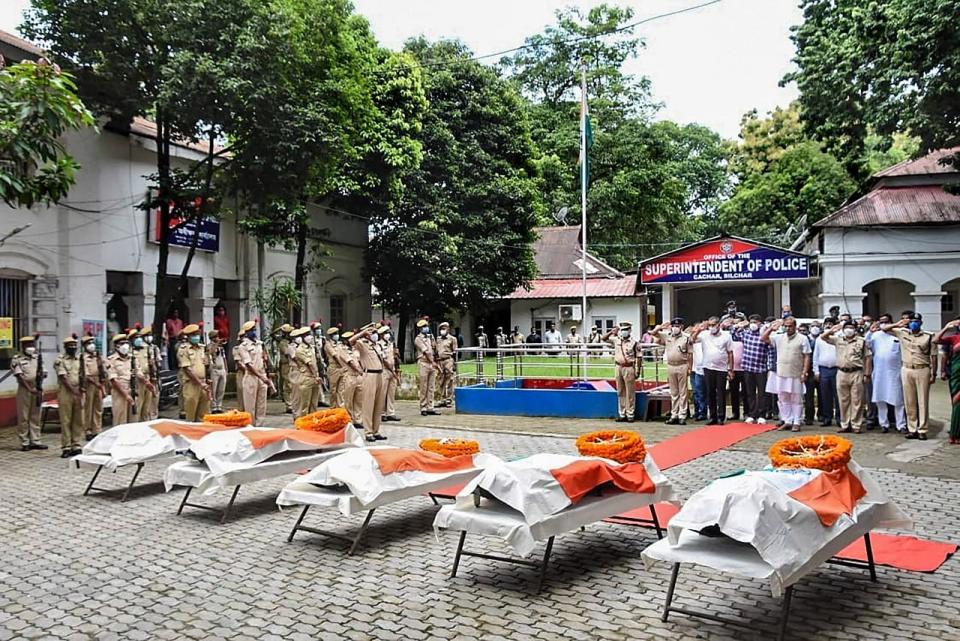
71 351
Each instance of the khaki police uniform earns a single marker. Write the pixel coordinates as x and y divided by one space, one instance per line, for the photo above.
352 383
180 375
94 387
157 364
374 392
145 395
69 403
193 358
426 370
254 389
447 360
306 374
238 380
286 357
852 357
28 410
217 358
335 369
677 354
391 372
626 353
915 354
119 373
150 368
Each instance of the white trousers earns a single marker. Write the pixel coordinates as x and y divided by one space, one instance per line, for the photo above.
898 411
791 407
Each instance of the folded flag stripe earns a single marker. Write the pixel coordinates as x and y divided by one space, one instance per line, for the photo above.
191 431
581 477
830 494
262 438
402 460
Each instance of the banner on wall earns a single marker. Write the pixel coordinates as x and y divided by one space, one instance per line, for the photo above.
183 232
6 332
94 327
727 258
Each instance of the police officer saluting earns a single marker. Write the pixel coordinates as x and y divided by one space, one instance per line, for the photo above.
854 363
679 359
626 354
918 372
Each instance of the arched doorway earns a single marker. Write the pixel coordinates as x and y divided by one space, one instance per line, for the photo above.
888 295
950 303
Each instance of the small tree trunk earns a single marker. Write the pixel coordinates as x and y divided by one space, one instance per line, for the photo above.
163 298
402 332
300 274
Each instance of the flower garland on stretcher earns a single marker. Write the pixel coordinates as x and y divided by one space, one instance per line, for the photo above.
329 421
233 418
450 447
820 452
622 446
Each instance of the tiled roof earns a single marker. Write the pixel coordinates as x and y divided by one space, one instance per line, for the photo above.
22 46
573 288
912 205
558 255
924 165
148 129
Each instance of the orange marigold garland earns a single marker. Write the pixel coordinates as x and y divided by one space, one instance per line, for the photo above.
622 446
825 452
450 447
329 421
233 418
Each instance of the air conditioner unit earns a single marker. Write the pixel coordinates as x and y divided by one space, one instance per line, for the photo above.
570 313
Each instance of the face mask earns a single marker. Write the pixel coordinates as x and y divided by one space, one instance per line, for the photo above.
754 327
30 351
309 339
625 333
675 330
715 330
90 347
71 351
424 330
914 326
297 340
387 336
194 340
785 315
252 336
815 331
443 332
124 349
849 332
148 338
335 338
318 331
374 337
138 342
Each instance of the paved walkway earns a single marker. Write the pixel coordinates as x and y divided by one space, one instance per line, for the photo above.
79 567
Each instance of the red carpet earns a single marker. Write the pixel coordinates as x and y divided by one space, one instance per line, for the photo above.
685 447
901 552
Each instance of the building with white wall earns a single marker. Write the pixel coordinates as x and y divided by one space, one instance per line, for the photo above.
897 247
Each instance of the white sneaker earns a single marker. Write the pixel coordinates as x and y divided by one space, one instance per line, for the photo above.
761 421
750 420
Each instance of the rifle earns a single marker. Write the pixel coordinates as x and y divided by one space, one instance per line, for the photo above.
38 383
133 384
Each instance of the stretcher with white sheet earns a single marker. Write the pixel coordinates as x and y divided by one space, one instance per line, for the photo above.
363 480
138 444
231 460
774 525
538 498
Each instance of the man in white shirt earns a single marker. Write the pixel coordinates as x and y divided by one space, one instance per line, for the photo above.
553 339
717 366
793 363
825 377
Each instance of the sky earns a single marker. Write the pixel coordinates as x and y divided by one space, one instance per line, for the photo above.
708 66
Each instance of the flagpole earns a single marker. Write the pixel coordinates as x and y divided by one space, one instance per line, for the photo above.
583 209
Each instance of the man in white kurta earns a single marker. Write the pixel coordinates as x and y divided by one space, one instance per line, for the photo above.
887 388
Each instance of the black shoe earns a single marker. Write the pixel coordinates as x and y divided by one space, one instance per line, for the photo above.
681 422
371 438
781 423
922 437
89 437
786 427
423 412
721 421
433 413
631 420
379 437
713 421
24 448
289 410
735 418
358 427
38 446
76 451
621 419
912 435
66 454
826 423
324 404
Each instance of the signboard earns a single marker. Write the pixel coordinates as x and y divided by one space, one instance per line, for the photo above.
182 234
94 327
6 332
724 259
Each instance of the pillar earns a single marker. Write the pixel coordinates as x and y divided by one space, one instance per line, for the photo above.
928 304
667 304
847 302
785 294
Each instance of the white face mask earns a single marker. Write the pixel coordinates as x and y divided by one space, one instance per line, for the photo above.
675 330
29 351
715 329
849 332
443 332
148 338
754 327
124 349
90 347
297 340
386 336
374 337
308 339
814 331
624 333
335 338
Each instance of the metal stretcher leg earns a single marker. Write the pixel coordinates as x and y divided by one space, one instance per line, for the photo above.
543 568
363 529
539 565
433 498
456 558
226 511
354 541
785 612
870 563
296 527
184 501
670 588
92 481
126 494
656 521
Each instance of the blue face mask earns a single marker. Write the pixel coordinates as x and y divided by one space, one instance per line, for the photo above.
786 315
914 326
424 330
138 342
195 340
252 336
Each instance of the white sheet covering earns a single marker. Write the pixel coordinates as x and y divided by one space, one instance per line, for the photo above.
197 475
227 451
528 486
358 471
133 443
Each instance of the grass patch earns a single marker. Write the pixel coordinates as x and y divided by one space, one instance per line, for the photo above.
547 367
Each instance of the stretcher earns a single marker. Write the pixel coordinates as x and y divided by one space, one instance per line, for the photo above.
515 502
360 482
766 528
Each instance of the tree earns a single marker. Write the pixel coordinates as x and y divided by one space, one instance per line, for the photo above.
878 67
460 233
38 104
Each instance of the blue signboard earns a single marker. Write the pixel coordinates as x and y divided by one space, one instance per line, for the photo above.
182 234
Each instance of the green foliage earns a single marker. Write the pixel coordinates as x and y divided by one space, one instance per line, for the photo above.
878 67
38 104
763 140
460 233
276 304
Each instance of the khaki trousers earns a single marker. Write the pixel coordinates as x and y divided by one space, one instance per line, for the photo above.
182 379
389 407
255 398
195 402
28 417
374 395
352 389
335 378
626 390
288 385
291 389
850 396
71 419
93 409
144 403
916 396
447 377
239 385
307 394
677 377
218 386
121 409
426 384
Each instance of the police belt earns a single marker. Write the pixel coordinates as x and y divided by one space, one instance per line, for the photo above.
922 366
446 358
374 371
849 370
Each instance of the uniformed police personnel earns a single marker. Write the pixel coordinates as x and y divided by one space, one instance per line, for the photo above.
352 381
238 379
918 371
69 398
180 340
255 380
854 364
391 373
305 373
94 386
446 346
120 372
147 379
154 365
285 351
427 367
192 359
626 354
316 339
218 371
335 366
24 367
679 357
367 345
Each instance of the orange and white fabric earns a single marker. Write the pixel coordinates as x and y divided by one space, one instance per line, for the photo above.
370 472
144 441
788 517
224 452
542 485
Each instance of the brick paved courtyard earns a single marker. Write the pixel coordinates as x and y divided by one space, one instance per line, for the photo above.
79 567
